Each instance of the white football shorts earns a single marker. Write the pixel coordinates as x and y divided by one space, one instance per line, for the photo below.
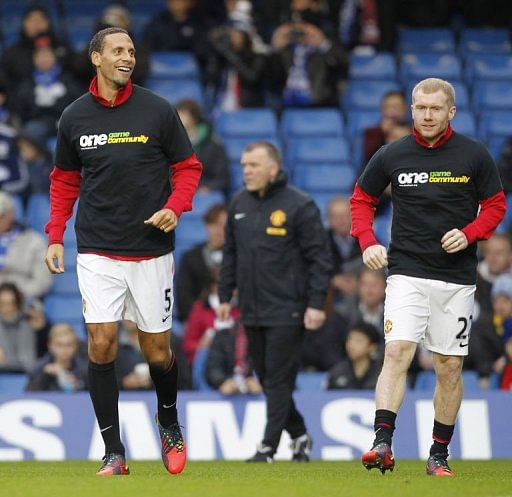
437 312
140 291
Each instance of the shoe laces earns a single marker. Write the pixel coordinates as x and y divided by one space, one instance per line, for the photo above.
109 458
440 461
173 437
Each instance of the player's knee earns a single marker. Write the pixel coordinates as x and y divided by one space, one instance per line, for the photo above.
448 371
398 355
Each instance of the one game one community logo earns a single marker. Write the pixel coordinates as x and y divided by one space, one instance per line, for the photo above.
415 179
88 142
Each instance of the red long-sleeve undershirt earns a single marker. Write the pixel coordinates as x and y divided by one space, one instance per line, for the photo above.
65 189
362 209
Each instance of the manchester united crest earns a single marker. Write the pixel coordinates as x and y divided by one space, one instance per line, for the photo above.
388 326
278 218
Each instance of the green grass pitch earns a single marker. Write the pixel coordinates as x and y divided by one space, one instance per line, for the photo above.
238 479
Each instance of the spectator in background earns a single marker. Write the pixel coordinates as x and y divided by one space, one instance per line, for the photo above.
367 23
393 110
369 305
194 271
491 331
306 65
177 28
17 60
235 70
505 166
17 338
207 146
497 261
45 91
360 369
344 248
131 368
7 116
22 253
202 320
62 368
228 368
35 155
14 175
113 16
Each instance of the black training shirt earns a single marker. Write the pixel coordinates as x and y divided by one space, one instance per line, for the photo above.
434 190
124 154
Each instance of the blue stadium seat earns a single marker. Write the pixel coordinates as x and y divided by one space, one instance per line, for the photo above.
461 94
311 122
495 144
235 146
70 254
38 211
380 66
495 123
418 66
440 40
471 381
175 90
19 209
322 201
237 176
173 65
382 228
315 150
324 178
311 381
66 309
66 283
489 67
80 36
63 308
464 122
199 370
366 95
203 201
489 95
478 40
12 383
253 124
358 121
425 381
191 230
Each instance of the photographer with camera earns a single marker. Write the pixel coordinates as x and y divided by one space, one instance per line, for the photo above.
235 69
306 64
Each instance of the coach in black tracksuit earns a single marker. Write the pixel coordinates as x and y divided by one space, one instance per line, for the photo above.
277 255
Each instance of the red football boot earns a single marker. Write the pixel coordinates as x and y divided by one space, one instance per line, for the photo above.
113 465
379 457
437 465
174 450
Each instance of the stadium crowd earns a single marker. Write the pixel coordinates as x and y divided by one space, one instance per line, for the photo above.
278 56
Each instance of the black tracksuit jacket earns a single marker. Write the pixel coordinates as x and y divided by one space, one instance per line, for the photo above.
276 254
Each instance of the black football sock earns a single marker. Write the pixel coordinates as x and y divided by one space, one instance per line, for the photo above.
384 426
442 435
104 394
166 386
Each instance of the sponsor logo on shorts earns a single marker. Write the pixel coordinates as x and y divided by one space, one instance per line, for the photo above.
388 326
84 305
416 178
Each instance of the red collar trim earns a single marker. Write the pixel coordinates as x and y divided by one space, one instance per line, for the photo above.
448 132
122 95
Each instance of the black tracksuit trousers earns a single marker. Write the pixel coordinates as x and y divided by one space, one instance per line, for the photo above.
275 353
